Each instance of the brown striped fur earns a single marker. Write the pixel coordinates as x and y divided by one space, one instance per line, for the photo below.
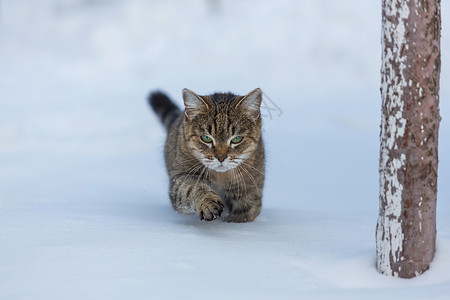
220 176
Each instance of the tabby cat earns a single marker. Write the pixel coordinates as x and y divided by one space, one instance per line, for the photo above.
214 154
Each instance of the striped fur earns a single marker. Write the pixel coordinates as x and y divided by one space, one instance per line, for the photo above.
218 178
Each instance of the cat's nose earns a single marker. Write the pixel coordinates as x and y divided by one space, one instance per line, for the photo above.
221 158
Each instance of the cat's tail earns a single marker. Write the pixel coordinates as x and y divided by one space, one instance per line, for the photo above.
166 110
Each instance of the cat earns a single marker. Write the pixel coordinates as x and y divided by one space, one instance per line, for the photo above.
214 154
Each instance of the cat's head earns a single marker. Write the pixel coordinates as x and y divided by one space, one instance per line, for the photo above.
222 129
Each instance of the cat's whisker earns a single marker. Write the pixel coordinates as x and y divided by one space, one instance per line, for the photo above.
201 173
250 176
207 177
249 165
236 179
202 178
235 183
194 169
241 180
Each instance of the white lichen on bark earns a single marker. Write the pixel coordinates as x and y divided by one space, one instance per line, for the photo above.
389 230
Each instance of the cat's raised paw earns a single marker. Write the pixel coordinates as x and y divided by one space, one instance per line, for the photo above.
210 207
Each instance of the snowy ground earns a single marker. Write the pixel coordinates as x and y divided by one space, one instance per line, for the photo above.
84 212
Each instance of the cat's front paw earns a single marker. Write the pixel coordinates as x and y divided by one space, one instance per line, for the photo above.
210 206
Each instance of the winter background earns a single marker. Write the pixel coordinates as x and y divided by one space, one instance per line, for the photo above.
84 211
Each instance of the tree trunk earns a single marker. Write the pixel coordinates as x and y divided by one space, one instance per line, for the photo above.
406 228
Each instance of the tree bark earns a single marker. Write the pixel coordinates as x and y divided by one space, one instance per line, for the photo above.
406 228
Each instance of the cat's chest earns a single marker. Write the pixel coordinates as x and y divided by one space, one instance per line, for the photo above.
222 183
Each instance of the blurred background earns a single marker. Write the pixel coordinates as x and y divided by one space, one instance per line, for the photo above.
75 128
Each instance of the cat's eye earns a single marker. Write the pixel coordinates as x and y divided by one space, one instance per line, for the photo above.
237 139
206 139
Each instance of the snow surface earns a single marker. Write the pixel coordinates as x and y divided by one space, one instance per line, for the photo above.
84 212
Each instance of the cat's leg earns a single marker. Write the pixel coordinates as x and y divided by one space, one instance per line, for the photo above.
245 208
188 195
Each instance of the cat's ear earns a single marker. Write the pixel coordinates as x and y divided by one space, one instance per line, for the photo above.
251 103
194 104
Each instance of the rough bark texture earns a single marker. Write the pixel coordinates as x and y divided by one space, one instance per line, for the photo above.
406 229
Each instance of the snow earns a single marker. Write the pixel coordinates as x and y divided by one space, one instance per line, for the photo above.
84 211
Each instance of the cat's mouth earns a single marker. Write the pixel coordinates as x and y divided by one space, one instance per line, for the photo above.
221 168
217 166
